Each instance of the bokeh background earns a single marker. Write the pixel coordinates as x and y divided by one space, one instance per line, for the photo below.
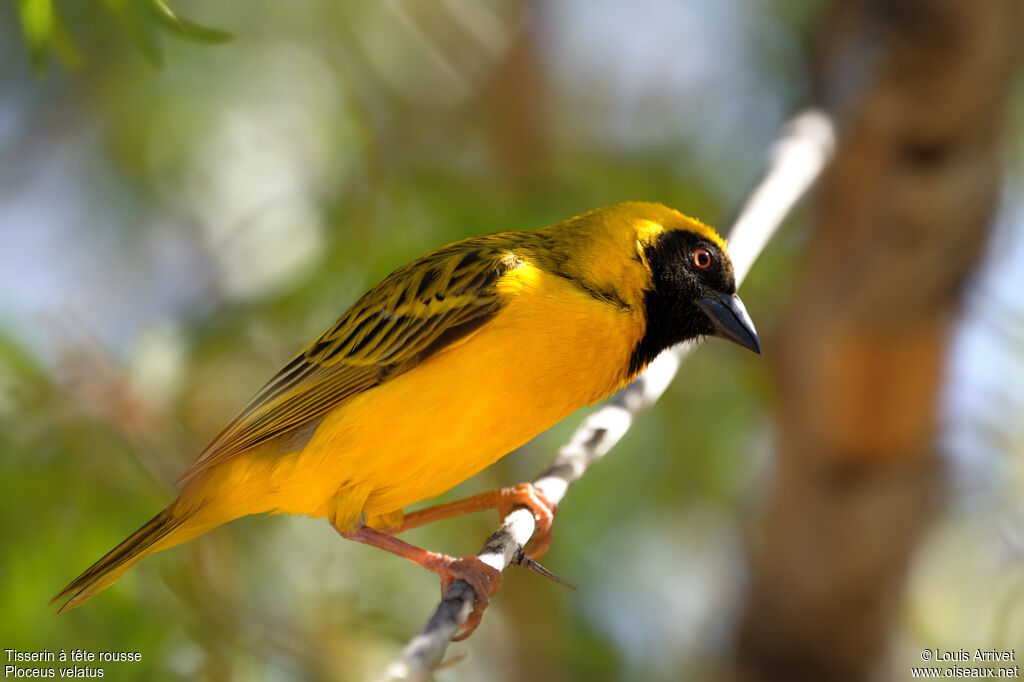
177 219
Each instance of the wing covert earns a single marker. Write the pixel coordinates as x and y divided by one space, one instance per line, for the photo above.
415 312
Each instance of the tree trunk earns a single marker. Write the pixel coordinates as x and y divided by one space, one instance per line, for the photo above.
918 88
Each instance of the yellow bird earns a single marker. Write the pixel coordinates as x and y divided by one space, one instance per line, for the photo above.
441 369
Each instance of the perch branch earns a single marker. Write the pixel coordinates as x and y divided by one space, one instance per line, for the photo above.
797 159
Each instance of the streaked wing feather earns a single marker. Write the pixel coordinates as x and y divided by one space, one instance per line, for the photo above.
415 312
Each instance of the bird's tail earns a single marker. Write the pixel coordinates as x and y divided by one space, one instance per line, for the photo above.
168 528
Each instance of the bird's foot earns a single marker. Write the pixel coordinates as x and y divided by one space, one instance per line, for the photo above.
530 496
485 581
504 501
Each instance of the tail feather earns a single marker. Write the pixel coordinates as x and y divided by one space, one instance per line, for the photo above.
164 530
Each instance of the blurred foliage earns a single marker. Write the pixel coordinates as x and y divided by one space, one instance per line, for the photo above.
172 236
46 31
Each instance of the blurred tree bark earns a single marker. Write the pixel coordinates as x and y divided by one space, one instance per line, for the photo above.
919 89
517 100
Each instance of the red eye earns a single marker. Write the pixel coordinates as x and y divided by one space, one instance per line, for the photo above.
702 258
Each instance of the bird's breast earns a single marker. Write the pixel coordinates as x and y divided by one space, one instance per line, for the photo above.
550 350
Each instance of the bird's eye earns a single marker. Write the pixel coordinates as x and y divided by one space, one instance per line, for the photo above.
702 258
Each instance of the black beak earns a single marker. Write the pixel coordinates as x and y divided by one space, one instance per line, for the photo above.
730 320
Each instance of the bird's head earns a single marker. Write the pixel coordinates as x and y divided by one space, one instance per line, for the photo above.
653 258
692 288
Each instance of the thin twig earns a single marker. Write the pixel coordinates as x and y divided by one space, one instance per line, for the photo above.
804 148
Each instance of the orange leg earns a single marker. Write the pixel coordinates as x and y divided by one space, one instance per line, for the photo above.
504 501
484 579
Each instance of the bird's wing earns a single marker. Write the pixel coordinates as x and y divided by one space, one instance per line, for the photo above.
415 312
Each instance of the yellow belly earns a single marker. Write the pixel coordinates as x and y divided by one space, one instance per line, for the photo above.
544 355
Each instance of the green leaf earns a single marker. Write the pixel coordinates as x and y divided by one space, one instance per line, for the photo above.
137 27
186 28
37 26
64 46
